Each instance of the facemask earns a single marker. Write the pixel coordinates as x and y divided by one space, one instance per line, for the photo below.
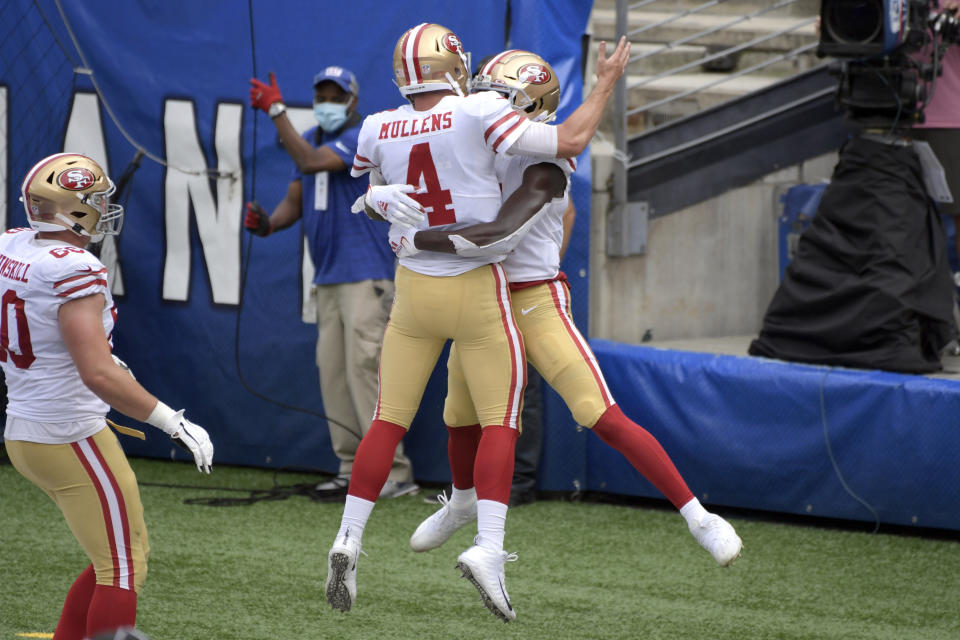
330 115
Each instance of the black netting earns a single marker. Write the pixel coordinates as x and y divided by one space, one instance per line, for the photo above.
37 78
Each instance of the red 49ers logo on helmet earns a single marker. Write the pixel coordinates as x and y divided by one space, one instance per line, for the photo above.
533 74
76 179
452 43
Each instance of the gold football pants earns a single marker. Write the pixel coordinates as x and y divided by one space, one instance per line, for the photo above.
473 309
554 346
95 488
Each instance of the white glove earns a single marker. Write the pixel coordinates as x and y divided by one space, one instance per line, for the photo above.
185 434
392 202
401 241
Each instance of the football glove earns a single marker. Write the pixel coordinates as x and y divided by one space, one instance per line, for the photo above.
257 221
191 438
401 241
263 95
393 204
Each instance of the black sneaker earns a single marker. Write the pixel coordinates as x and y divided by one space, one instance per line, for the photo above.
521 497
337 484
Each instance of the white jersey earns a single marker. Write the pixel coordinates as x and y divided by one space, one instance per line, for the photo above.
537 256
448 152
44 388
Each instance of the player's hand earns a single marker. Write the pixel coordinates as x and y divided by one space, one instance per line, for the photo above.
401 241
263 95
257 221
394 205
610 69
192 438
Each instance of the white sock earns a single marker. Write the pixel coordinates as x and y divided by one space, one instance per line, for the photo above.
356 512
461 498
491 523
693 512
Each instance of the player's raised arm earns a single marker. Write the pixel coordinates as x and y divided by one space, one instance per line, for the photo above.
571 137
575 133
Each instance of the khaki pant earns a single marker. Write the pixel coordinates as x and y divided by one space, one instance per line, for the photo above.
95 488
554 346
351 318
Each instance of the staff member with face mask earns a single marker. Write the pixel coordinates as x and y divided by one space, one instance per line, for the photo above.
353 284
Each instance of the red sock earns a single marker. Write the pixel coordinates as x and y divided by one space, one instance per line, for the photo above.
73 618
110 609
374 459
462 451
493 469
644 453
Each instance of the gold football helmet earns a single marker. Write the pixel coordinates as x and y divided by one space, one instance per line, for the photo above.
69 190
429 57
526 79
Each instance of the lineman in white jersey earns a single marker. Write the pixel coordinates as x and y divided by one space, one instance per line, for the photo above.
534 228
57 317
441 150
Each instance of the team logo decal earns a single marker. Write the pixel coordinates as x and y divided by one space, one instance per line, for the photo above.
75 179
452 43
533 74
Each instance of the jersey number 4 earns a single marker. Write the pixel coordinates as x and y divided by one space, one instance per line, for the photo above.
23 356
437 201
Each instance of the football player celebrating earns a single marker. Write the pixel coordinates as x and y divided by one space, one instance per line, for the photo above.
531 220
58 315
442 148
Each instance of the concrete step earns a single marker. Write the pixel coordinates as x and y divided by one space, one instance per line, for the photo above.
653 59
604 28
708 94
706 89
730 7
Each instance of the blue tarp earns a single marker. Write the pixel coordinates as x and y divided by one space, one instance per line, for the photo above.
175 77
764 434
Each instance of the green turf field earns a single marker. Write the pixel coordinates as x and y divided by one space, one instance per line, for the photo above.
256 572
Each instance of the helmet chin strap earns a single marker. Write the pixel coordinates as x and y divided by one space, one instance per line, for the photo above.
74 226
455 86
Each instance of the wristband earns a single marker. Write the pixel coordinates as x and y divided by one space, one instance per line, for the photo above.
160 416
276 109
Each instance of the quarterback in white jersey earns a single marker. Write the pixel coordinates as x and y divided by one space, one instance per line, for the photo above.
56 317
447 153
534 231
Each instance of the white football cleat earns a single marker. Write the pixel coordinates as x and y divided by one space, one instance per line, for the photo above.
717 536
438 528
484 568
341 584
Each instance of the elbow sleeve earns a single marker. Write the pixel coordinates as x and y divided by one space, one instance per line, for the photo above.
538 140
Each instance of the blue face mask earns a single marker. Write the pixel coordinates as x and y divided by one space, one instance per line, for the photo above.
330 115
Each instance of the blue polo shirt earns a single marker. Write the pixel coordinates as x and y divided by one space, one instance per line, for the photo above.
344 247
